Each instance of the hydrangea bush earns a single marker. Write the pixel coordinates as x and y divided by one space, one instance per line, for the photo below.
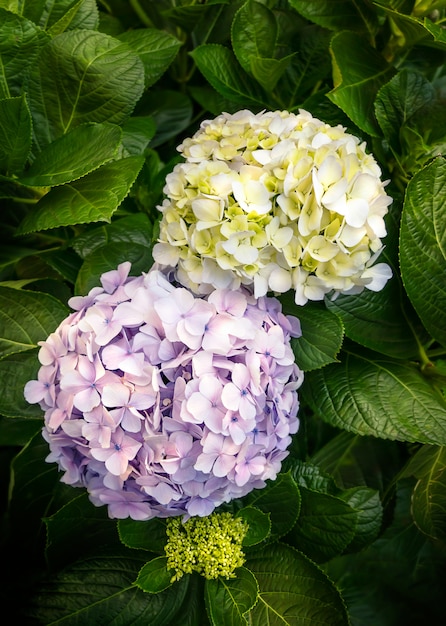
222 302
161 403
278 201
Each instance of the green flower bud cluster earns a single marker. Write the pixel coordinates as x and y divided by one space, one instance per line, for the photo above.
211 546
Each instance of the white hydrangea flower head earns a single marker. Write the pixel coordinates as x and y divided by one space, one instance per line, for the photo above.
274 201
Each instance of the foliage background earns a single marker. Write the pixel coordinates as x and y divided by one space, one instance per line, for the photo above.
94 99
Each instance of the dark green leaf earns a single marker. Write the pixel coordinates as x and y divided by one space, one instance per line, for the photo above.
321 340
135 229
15 134
171 110
220 68
340 15
368 394
367 505
428 465
154 576
81 151
259 525
93 78
293 590
325 527
150 535
67 15
229 599
15 371
358 72
281 500
422 247
156 48
25 318
137 134
20 42
100 590
92 198
107 258
253 33
78 518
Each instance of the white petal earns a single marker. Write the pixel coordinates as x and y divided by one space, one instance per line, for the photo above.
379 274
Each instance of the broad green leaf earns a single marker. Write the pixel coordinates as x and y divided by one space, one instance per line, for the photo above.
94 78
67 15
92 198
340 15
321 340
135 229
156 48
428 465
369 394
281 500
107 258
436 30
399 103
423 247
356 460
325 527
15 433
358 71
150 535
100 590
229 599
293 590
79 518
408 31
137 134
369 510
81 151
154 576
65 262
220 68
26 317
310 476
259 525
171 110
15 371
20 42
15 134
253 33
268 72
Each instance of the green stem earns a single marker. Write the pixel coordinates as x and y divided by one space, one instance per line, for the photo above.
24 200
145 19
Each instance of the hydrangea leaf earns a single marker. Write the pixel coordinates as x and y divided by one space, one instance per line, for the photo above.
156 48
428 465
229 599
259 525
357 460
357 78
325 527
94 78
293 590
150 535
367 505
154 576
136 229
171 110
281 500
25 318
16 60
344 15
15 371
322 334
63 14
106 258
92 198
137 134
15 134
80 518
79 152
101 589
220 68
253 33
423 247
369 394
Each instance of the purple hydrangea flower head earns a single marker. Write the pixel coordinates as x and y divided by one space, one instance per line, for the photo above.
161 402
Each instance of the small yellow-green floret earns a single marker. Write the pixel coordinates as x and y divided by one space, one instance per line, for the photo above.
211 546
